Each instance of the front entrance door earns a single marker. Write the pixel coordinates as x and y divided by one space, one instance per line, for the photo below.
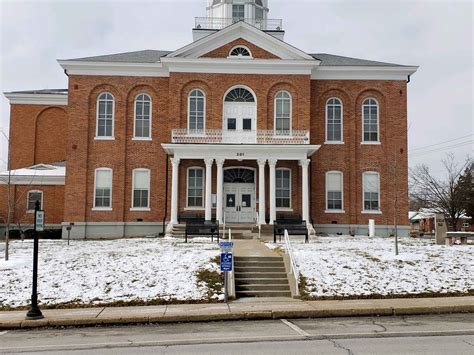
239 203
239 123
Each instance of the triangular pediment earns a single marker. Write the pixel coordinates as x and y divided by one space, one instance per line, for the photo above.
242 31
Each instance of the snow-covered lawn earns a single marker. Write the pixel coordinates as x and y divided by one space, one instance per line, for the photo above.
355 266
107 271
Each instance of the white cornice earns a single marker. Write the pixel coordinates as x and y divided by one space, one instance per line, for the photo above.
113 69
239 66
362 73
33 180
36 99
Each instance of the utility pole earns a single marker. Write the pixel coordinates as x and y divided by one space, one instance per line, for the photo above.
9 202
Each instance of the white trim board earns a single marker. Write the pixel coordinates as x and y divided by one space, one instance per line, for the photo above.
362 73
37 99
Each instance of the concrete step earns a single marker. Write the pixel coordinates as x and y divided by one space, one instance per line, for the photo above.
260 275
267 287
258 258
263 293
246 269
250 281
259 263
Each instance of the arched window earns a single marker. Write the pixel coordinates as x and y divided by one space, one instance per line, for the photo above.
142 116
283 188
196 110
370 124
283 113
240 51
334 191
334 120
239 95
105 116
239 175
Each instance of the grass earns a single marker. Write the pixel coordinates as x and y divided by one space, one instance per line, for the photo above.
214 280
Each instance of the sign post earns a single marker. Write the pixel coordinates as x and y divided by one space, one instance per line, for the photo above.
226 264
35 313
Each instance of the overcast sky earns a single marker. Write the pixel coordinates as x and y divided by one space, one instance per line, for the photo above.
436 35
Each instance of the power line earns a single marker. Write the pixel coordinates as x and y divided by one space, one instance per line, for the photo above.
435 144
458 145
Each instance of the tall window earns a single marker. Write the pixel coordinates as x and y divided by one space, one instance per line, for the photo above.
33 196
283 188
370 112
142 116
105 116
196 110
334 120
103 188
371 183
334 188
283 112
141 188
195 187
238 12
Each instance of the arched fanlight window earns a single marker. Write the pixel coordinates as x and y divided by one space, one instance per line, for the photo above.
240 52
239 175
239 95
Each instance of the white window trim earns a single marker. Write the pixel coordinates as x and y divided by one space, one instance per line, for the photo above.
28 200
111 189
240 57
378 122
327 141
364 211
135 138
204 108
104 138
191 208
275 113
284 209
147 208
342 192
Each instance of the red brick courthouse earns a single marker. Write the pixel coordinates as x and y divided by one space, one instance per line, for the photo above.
237 124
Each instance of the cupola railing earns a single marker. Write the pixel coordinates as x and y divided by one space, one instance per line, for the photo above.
218 23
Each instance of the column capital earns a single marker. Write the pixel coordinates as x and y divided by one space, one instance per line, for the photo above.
261 162
175 161
304 163
208 161
272 162
220 162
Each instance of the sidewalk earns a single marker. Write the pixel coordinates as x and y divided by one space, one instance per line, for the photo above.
244 309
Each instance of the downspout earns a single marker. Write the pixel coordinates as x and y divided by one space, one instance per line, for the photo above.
409 77
166 196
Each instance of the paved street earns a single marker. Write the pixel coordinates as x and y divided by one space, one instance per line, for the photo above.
436 334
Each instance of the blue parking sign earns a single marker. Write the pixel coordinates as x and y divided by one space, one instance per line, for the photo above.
226 261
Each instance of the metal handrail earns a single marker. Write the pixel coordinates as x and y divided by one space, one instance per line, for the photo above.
223 226
293 266
218 23
258 224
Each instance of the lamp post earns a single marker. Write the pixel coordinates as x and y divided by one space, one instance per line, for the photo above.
35 313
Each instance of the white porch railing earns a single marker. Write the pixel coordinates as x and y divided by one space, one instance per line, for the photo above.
220 136
294 267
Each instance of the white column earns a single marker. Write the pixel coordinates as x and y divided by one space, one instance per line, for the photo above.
261 190
305 189
272 163
174 190
220 189
208 214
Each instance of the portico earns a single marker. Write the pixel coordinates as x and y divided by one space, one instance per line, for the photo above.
236 187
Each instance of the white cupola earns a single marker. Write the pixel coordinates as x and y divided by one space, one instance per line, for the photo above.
223 13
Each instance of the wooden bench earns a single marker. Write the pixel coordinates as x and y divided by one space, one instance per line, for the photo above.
293 225
453 238
190 218
207 229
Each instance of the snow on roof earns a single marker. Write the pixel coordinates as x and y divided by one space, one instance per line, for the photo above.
427 213
39 174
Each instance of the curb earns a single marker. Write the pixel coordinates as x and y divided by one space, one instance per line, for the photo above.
221 316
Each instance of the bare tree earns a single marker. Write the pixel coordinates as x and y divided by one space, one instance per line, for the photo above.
443 195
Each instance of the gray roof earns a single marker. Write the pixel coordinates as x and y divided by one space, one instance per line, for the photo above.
337 60
146 56
42 92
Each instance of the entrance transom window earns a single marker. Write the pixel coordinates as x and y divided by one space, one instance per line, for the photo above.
238 175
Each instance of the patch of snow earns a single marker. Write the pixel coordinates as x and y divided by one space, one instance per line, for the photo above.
106 271
355 266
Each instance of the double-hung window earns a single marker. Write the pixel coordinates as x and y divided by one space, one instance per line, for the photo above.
103 189
33 196
334 120
196 110
334 186
142 117
105 116
370 113
141 189
283 188
283 113
371 185
195 187
238 12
